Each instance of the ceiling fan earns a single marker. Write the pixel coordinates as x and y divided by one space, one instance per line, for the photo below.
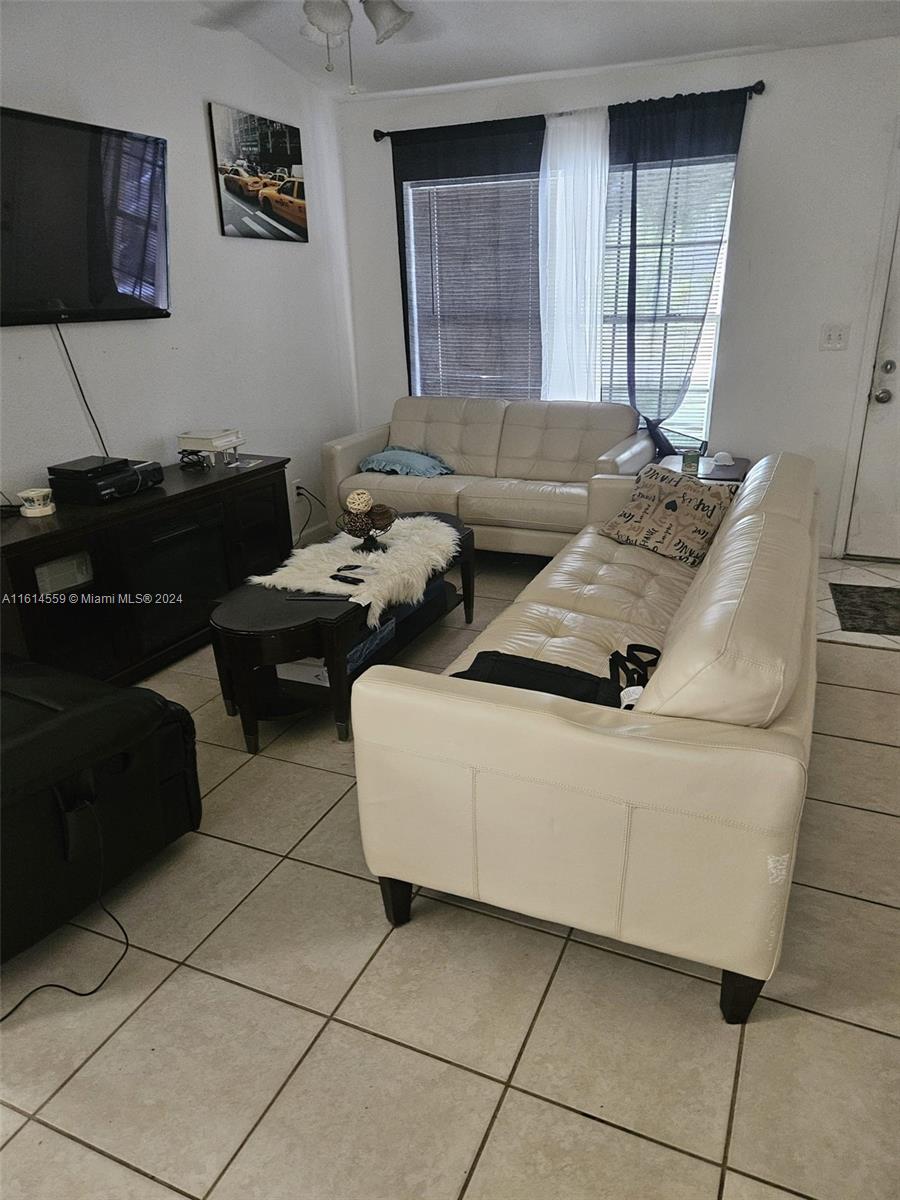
329 21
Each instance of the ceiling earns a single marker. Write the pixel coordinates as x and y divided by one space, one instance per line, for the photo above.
459 41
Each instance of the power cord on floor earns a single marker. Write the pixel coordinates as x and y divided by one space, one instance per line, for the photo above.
308 496
62 987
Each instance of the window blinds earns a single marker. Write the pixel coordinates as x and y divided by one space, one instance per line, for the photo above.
472 286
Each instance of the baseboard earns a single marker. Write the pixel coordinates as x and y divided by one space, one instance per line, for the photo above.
319 532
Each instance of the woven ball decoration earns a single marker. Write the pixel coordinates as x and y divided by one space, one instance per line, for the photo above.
359 501
356 524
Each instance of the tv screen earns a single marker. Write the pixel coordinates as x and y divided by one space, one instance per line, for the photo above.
83 224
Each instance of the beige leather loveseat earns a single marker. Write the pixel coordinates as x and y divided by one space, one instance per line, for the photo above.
673 826
522 467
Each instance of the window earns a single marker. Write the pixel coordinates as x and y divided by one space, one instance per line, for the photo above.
473 302
682 208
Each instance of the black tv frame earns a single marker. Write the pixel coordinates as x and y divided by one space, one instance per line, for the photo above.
71 316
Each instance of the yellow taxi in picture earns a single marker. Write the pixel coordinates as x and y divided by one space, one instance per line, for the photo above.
287 201
242 183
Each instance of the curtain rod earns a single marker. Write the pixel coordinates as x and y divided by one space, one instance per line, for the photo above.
752 89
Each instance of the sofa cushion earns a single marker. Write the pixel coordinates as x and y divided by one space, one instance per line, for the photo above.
555 635
671 514
733 650
394 460
525 504
463 431
779 483
561 440
409 493
602 578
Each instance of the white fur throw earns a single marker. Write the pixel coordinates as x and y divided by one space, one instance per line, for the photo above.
417 547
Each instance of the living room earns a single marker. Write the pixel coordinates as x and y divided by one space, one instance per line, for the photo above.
543 843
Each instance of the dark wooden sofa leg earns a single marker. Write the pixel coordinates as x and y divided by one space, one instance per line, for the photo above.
737 996
397 897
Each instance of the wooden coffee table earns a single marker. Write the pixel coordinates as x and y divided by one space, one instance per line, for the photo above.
256 628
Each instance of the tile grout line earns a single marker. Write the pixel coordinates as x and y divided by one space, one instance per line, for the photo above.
789 1191
845 737
881 812
107 1154
607 1123
508 1086
230 774
473 1166
813 1012
847 895
99 1047
297 1065
177 963
856 687
16 1132
732 1108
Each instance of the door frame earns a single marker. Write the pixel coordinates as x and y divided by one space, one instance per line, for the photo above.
871 332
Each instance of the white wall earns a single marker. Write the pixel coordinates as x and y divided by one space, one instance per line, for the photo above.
258 332
811 185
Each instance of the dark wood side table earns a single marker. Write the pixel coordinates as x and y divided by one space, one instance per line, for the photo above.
256 628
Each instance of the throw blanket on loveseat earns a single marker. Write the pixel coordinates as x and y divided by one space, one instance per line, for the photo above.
417 548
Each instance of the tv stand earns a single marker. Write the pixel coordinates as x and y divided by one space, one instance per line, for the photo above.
118 591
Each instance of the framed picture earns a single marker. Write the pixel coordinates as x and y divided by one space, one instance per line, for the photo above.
259 176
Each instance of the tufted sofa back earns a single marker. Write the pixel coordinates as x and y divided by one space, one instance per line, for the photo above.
514 439
558 439
463 431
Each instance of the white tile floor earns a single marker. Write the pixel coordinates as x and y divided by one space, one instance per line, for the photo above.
270 1038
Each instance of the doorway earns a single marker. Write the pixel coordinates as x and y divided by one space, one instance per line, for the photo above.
875 515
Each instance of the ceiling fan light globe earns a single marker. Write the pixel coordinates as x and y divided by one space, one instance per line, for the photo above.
387 18
332 17
318 38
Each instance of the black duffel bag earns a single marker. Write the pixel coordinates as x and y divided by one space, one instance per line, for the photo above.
631 669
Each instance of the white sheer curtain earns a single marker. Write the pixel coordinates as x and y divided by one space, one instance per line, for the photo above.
571 224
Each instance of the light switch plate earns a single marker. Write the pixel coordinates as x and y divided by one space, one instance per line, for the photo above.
834 337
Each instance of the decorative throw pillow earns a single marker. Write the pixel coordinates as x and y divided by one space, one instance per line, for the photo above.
394 460
671 514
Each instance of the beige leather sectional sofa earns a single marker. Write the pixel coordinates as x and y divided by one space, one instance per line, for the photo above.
673 826
522 467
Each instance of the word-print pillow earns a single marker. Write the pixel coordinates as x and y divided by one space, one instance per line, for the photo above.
671 514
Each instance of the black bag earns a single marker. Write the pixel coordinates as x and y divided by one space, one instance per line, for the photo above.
631 669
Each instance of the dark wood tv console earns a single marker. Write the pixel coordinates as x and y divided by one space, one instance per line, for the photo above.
148 569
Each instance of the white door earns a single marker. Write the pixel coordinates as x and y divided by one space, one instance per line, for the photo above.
875 518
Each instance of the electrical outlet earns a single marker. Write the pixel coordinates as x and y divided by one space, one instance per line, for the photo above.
296 488
834 337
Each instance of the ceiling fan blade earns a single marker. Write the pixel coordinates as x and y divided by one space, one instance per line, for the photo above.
228 16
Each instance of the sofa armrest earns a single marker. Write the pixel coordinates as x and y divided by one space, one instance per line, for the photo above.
606 495
628 456
674 834
342 456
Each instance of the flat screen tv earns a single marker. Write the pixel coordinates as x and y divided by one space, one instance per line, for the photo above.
83 222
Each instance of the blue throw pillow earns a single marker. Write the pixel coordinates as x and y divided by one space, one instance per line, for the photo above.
396 461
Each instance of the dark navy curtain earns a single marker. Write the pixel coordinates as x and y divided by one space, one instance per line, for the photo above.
673 160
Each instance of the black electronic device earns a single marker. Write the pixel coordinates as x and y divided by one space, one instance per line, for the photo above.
102 480
84 222
89 467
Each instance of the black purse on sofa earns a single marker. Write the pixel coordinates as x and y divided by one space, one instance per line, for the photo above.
631 669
